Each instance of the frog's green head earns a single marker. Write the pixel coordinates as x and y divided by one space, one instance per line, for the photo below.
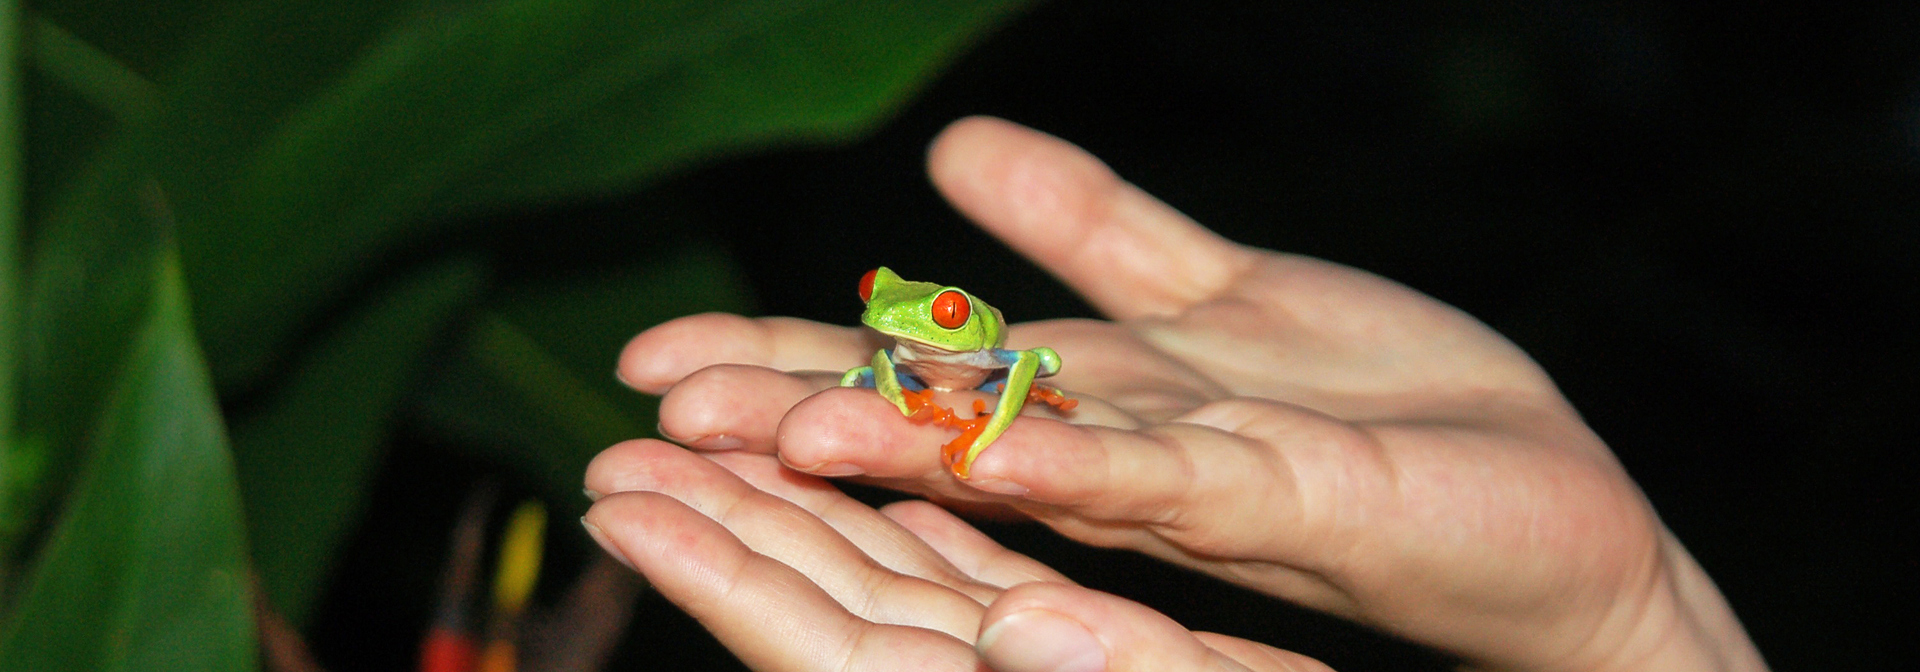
929 314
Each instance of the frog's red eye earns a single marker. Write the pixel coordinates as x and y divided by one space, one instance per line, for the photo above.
866 285
951 309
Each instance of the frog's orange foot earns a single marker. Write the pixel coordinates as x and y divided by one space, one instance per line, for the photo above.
1053 397
956 450
921 409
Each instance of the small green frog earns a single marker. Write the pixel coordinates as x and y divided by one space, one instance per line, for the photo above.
946 340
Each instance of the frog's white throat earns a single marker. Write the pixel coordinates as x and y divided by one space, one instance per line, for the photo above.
943 369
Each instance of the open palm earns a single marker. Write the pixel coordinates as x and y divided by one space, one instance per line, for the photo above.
1301 428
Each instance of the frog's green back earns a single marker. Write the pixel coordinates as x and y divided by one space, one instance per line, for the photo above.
902 309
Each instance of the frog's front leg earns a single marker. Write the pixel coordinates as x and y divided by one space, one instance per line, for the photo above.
1026 365
883 378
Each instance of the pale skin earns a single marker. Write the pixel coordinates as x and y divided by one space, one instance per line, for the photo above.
1304 429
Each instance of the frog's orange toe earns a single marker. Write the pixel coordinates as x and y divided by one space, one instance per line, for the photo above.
954 453
921 408
1053 397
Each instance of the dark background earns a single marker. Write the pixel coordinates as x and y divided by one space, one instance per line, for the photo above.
1700 220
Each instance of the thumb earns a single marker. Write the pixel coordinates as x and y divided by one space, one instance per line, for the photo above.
1127 252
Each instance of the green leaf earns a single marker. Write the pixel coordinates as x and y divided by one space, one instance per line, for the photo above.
89 289
306 458
146 568
304 138
91 280
11 212
534 387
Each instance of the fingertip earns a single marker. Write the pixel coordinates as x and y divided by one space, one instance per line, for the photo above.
1048 626
1038 640
689 557
1030 188
1127 252
614 469
606 543
655 360
730 407
624 523
847 431
648 465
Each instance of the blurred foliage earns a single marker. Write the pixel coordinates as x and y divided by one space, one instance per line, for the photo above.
310 177
15 474
146 569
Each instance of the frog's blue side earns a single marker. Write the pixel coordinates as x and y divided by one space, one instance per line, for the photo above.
995 382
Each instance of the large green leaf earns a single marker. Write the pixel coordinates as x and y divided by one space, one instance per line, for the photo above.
146 569
533 387
11 211
306 137
302 143
89 288
306 456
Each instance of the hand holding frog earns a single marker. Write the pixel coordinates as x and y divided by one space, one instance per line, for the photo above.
1294 426
949 340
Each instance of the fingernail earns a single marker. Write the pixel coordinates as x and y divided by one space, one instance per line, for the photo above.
834 469
622 377
718 442
662 431
999 486
591 496
600 538
1038 640
709 442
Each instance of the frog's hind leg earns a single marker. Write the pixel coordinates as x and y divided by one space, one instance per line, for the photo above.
1052 396
1012 398
1047 394
970 430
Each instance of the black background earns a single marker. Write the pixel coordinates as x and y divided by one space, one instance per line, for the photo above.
1700 220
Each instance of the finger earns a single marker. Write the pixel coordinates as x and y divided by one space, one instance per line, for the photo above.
1128 253
734 406
1051 626
848 432
661 356
830 434
767 613
973 552
786 533
1237 478
1204 488
877 535
1187 478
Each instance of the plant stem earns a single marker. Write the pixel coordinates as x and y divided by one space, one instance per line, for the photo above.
91 73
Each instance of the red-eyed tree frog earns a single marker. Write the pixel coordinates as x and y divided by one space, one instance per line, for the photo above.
946 340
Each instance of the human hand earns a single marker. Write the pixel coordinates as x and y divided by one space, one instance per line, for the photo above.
1291 425
790 574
